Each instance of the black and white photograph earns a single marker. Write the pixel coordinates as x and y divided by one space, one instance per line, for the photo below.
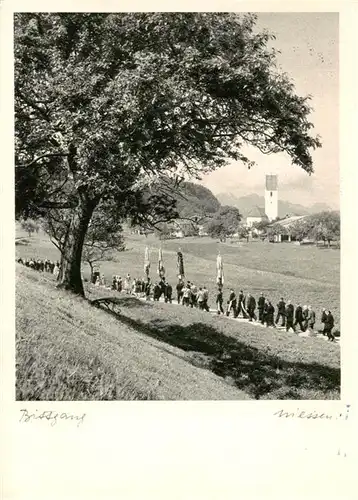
177 206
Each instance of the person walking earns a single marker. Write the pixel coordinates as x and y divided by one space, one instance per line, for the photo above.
156 292
219 301
162 287
311 319
305 314
289 313
179 287
56 271
186 295
281 312
200 299
119 284
231 304
114 282
147 289
127 283
250 307
328 326
241 304
206 299
261 307
168 292
299 317
194 291
270 315
323 319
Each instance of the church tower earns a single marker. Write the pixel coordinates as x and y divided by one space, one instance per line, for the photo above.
271 197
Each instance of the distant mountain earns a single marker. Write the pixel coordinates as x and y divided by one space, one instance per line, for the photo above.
320 207
248 202
194 199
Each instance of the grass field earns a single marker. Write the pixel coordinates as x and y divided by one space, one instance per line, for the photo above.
68 350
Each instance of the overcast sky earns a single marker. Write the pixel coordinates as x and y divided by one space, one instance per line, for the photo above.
309 54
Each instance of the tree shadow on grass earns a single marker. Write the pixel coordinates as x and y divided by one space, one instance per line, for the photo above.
129 302
256 372
134 302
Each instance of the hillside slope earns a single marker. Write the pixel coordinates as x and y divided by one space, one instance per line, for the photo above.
68 350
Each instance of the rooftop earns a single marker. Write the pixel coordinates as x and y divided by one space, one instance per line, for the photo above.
257 212
290 220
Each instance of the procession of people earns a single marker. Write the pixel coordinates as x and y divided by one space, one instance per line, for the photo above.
41 265
188 294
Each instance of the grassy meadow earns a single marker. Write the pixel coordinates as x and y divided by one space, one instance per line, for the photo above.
69 350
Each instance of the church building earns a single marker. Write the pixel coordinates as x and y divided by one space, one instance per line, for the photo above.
270 212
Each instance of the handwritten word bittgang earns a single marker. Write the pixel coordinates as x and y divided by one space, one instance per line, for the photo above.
51 416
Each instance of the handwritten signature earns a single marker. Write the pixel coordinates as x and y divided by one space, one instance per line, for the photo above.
312 414
51 416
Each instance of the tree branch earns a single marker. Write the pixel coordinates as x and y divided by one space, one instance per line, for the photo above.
31 103
47 155
57 204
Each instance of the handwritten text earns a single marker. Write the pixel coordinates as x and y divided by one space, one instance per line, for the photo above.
50 416
314 415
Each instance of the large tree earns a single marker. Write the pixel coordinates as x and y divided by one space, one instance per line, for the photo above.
103 240
30 226
325 226
225 222
300 229
106 103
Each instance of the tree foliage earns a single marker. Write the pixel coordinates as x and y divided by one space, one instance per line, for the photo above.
325 226
105 104
300 229
163 231
225 222
30 226
261 225
103 239
243 231
277 229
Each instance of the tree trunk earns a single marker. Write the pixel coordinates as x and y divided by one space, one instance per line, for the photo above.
70 270
91 267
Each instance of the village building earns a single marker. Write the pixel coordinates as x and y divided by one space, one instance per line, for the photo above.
286 224
255 215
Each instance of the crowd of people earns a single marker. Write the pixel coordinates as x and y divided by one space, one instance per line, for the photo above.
189 294
41 265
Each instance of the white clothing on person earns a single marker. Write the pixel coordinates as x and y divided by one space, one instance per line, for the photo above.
56 271
186 292
127 285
